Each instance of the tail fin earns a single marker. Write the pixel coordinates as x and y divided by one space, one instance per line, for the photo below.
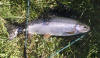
14 28
13 34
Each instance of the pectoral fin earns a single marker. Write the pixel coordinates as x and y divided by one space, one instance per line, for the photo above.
71 32
47 36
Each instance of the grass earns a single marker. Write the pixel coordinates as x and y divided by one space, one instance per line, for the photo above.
37 46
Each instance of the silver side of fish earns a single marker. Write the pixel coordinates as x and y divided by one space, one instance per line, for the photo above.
57 26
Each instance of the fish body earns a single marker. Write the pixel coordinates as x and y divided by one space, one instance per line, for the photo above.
58 26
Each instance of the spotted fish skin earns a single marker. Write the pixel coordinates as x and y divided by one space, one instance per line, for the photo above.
58 26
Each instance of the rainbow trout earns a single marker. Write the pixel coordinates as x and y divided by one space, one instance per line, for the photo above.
57 26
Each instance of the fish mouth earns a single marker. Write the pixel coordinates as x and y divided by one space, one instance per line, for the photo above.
89 28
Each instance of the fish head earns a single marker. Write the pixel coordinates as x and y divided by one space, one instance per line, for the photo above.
82 28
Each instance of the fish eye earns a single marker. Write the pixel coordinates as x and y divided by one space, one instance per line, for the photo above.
85 27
